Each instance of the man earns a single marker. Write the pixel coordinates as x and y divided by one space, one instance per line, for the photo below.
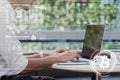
12 61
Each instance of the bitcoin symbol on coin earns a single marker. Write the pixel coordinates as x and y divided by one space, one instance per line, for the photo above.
102 62
105 63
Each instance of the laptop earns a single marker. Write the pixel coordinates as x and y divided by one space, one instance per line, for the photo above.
91 44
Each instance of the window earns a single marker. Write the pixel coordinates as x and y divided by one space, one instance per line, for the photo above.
66 16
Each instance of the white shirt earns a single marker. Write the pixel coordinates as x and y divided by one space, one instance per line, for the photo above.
12 60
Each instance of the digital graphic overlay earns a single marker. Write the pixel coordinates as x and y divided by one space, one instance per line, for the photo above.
104 62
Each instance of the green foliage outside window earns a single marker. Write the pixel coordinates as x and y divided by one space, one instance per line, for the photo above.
66 15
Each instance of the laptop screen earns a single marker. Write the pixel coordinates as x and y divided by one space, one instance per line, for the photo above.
92 41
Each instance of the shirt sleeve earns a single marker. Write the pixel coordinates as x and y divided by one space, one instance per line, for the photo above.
10 47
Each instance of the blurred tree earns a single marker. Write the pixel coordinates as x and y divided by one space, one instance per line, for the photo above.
67 14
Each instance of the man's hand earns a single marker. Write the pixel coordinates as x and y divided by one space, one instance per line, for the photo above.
55 52
46 54
60 50
67 56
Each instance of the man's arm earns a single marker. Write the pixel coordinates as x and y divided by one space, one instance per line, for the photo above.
32 56
38 64
46 54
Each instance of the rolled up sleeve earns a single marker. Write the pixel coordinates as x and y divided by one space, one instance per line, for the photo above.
19 65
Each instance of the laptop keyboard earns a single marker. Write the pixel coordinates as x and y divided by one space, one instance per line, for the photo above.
80 60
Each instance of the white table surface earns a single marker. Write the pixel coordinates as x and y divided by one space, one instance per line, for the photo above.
86 67
82 68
